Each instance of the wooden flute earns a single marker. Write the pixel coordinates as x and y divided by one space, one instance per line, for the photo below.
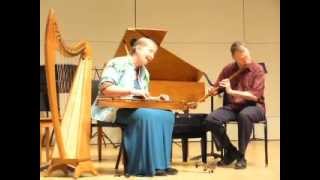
219 87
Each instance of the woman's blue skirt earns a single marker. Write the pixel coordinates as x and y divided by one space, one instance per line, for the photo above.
147 139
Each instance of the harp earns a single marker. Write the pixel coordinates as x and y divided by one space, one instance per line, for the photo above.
72 132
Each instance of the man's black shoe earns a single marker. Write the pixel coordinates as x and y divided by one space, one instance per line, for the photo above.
171 171
241 163
229 156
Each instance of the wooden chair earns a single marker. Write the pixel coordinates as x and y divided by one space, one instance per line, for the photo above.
95 84
46 124
265 138
100 133
46 136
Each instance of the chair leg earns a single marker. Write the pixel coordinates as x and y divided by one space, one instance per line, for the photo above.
171 150
222 150
47 132
49 145
104 141
266 143
52 137
213 143
113 144
125 159
253 133
40 143
44 137
204 148
91 131
119 156
99 142
94 134
125 155
184 149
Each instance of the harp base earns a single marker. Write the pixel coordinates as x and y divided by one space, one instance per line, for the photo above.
77 166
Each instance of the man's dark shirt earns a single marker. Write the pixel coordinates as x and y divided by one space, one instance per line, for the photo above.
252 80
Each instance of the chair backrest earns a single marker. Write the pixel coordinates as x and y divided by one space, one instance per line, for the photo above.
95 90
264 67
64 76
44 101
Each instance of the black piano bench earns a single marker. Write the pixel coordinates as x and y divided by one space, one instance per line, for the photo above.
191 126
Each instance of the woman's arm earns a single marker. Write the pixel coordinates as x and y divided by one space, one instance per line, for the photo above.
110 90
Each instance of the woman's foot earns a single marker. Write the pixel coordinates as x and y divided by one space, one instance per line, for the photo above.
171 171
161 172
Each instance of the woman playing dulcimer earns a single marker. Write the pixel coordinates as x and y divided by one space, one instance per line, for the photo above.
148 132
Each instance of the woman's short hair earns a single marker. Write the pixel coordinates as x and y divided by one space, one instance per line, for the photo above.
143 41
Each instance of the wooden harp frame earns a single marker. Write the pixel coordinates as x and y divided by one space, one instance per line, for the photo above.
66 157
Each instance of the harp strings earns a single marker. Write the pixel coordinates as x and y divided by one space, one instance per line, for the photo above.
65 72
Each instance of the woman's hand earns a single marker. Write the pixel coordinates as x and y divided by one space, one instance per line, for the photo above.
139 92
164 97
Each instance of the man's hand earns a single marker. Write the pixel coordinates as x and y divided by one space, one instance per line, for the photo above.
226 84
212 91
